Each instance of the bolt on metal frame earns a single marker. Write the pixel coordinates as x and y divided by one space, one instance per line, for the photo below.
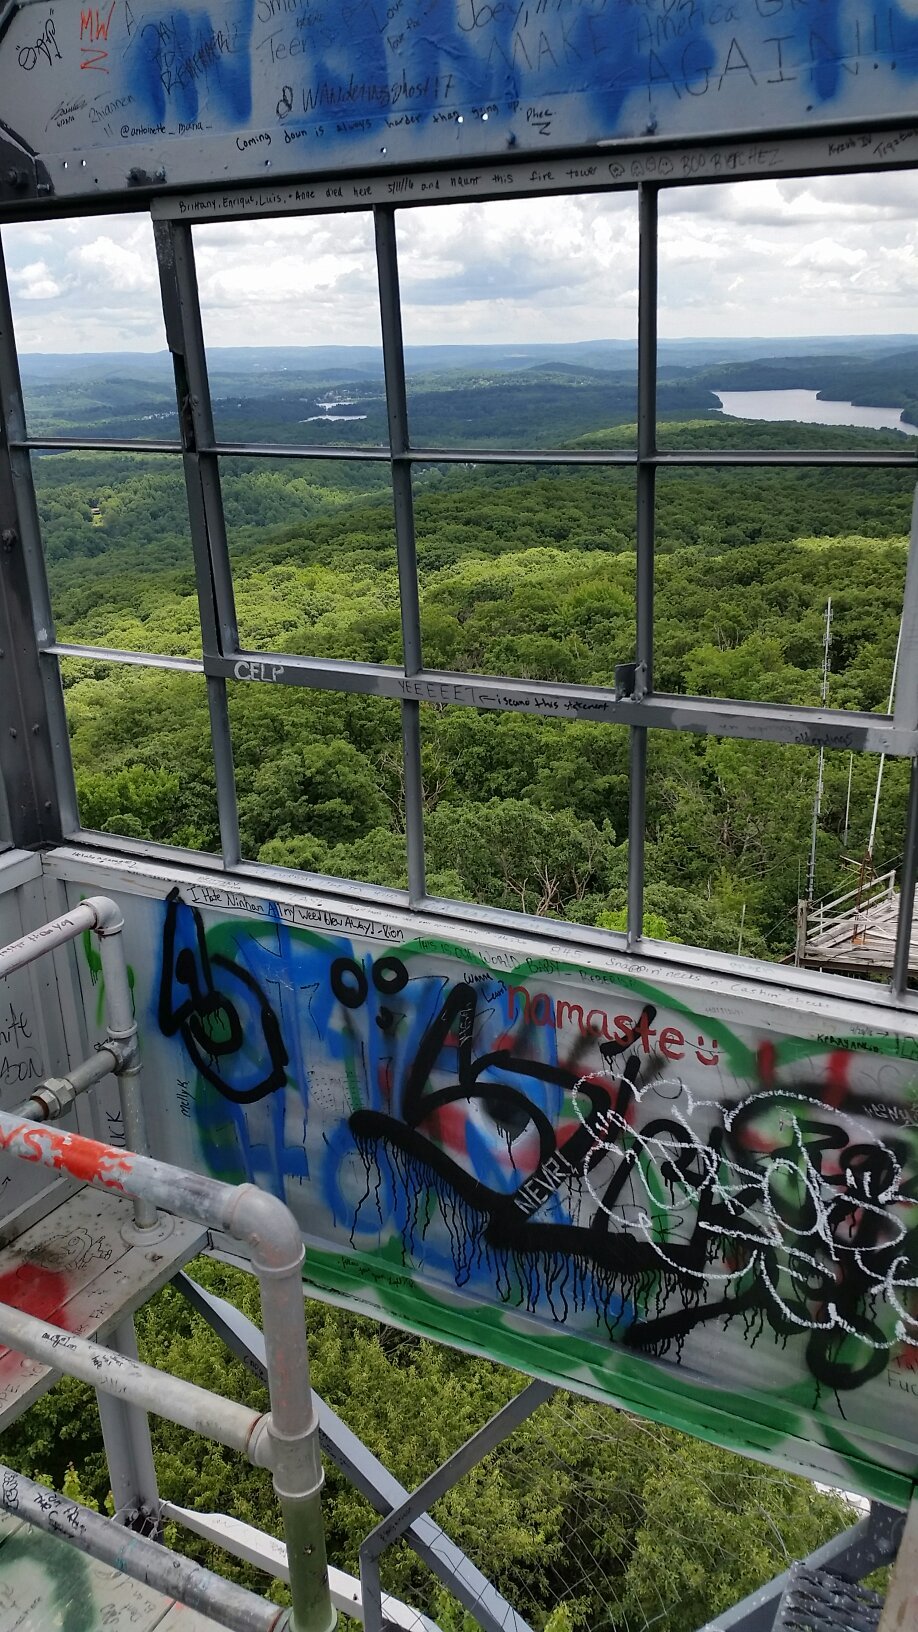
634 703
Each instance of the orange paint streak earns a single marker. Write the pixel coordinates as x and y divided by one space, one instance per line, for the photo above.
84 1159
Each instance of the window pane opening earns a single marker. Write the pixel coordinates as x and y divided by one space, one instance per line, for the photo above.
118 550
730 851
320 781
747 564
520 322
526 814
815 287
312 546
310 370
142 756
90 330
527 572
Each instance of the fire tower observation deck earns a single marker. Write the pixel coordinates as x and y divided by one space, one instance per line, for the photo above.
666 1180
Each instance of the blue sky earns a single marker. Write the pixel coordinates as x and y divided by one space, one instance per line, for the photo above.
836 255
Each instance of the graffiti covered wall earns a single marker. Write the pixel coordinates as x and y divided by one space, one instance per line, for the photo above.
662 1190
131 92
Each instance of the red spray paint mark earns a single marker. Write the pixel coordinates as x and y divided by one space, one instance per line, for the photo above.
447 1125
837 1085
34 1290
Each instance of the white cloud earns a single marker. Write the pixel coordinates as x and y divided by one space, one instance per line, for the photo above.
792 257
35 282
114 266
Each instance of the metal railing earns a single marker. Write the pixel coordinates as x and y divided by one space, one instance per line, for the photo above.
285 1439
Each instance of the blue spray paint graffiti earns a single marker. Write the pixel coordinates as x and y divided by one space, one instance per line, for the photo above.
537 1152
303 87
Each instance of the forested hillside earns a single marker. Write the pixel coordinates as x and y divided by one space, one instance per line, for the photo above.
525 571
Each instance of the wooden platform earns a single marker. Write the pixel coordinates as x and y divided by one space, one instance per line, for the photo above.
76 1269
856 932
47 1586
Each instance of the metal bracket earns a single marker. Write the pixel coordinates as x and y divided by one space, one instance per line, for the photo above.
855 1553
630 681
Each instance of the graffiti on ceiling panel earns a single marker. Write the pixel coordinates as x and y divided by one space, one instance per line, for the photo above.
99 99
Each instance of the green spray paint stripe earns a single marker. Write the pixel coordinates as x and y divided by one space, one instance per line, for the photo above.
771 1414
384 1274
792 1451
353 1089
741 1057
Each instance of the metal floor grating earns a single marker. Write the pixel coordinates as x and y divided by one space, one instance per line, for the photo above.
817 1601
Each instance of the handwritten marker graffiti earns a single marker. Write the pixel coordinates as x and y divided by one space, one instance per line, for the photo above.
624 1169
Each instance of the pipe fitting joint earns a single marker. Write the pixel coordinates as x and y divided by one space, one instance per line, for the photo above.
109 919
268 1228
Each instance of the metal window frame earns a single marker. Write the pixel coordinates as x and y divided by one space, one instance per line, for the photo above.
632 703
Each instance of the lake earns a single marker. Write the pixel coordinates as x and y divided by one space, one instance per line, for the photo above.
809 409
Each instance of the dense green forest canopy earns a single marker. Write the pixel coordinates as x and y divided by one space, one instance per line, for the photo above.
524 571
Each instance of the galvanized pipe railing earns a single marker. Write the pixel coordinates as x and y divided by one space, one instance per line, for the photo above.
143 1560
269 1231
103 917
237 1426
53 1098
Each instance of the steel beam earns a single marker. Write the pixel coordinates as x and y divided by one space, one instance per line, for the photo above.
908 880
396 1523
129 1449
213 577
717 716
34 755
390 308
364 1470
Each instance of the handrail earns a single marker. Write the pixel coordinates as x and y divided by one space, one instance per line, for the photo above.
234 1607
102 915
268 1229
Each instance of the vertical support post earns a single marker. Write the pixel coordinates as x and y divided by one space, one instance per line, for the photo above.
35 762
185 338
901 1607
403 501
908 878
646 490
129 1450
800 939
122 1028
905 680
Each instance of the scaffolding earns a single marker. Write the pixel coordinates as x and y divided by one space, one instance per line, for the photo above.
855 932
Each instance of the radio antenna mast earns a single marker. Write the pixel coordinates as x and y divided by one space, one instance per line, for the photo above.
817 802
